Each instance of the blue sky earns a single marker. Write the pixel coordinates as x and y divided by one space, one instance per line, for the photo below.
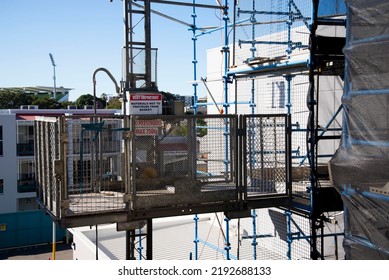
84 35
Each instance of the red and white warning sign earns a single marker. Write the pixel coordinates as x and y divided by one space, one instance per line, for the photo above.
147 127
145 104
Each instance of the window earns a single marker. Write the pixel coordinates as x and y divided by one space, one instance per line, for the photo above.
25 133
25 141
27 203
1 186
26 176
26 169
278 95
1 140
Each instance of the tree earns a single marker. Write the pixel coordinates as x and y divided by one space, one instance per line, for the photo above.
202 127
114 103
13 99
83 100
183 129
104 98
88 99
47 103
65 104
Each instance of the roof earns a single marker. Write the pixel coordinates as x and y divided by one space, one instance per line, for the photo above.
173 239
25 118
40 89
30 114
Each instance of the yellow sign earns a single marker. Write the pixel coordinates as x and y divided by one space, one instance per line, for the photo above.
3 227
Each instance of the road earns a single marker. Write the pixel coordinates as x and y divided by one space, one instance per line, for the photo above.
38 252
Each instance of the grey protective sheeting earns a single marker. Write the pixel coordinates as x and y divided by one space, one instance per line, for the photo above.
360 167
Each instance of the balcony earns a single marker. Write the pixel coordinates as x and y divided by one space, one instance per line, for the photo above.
25 149
25 186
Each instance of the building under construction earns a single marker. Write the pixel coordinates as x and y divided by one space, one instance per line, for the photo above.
292 152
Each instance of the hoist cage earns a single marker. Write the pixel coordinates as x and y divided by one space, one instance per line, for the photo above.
113 169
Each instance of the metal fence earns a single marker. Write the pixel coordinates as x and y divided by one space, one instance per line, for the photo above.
111 168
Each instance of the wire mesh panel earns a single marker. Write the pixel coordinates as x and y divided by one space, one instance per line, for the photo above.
47 155
80 165
266 155
183 160
93 164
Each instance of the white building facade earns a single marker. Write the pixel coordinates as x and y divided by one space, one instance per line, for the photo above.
22 223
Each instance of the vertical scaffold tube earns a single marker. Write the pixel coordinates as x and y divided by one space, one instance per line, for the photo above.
227 248
253 50
196 237
140 247
226 80
225 51
289 23
252 101
254 243
195 84
288 234
194 61
288 79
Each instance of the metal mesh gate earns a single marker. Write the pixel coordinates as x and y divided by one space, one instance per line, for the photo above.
266 155
94 164
183 160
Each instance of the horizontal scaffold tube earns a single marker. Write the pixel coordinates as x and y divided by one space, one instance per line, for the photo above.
266 69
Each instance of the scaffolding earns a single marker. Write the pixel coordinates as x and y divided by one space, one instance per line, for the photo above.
239 161
288 58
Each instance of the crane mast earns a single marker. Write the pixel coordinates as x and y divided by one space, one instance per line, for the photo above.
139 59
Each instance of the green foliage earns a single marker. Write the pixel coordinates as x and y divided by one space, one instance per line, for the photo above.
88 99
114 103
104 97
13 99
201 129
180 130
183 130
65 104
46 103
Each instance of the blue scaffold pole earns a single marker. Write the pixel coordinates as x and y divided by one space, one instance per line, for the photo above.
289 234
196 237
254 243
227 247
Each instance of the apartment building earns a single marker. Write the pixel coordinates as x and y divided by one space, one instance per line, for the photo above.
21 221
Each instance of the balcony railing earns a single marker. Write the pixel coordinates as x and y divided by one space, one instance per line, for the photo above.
26 186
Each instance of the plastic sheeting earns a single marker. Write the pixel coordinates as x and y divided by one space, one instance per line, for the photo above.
360 167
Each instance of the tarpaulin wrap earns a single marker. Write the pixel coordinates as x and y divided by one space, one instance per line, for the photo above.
360 167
